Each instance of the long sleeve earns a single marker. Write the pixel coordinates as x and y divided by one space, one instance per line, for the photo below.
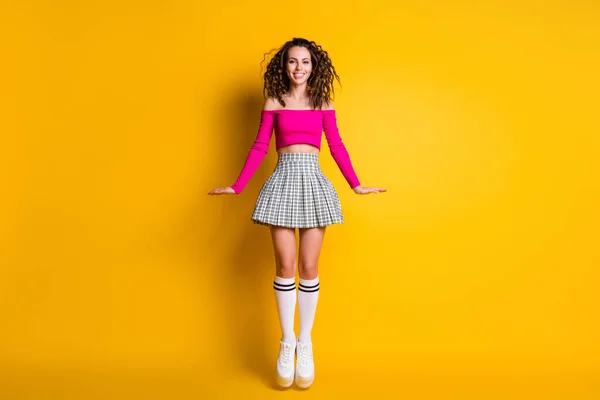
257 152
337 148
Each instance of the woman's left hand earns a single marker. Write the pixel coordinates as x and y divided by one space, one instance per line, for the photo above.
367 190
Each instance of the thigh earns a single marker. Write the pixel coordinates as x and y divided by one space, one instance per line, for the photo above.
284 246
311 242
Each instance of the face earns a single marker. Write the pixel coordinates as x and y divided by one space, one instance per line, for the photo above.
299 65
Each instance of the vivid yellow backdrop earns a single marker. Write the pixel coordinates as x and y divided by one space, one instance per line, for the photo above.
475 276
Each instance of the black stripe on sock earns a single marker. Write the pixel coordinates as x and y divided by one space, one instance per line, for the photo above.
309 287
308 291
284 286
284 290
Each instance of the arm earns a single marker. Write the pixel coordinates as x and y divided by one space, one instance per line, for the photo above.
337 149
257 152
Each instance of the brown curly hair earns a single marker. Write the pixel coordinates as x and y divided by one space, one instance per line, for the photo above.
320 82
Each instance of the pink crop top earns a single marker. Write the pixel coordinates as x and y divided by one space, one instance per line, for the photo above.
292 127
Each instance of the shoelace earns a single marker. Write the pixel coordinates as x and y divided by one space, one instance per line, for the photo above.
304 356
288 355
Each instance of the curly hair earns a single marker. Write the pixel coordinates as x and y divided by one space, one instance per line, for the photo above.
320 82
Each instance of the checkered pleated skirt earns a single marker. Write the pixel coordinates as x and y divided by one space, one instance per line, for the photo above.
298 195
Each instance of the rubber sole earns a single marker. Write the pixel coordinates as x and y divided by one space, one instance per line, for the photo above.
284 382
304 382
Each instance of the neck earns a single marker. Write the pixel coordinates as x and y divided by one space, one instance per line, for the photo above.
298 92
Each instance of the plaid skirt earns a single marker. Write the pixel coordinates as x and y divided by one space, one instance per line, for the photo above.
298 195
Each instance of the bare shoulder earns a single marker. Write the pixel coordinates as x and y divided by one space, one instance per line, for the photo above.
271 103
328 105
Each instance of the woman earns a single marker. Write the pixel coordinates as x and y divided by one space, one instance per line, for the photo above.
298 84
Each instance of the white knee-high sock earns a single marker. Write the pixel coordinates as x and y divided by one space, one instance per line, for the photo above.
285 296
308 295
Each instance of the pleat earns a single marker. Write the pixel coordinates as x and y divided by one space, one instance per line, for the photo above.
268 198
311 199
326 209
287 217
275 204
265 193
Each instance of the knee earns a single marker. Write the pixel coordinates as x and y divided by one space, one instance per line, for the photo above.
287 268
308 270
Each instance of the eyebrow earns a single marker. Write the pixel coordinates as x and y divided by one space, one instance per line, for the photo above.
305 58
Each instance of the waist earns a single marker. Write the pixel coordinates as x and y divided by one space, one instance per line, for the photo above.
299 148
305 142
299 158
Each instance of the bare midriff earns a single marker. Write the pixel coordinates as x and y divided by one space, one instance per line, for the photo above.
299 148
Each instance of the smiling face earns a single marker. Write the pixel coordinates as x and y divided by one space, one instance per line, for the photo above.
298 65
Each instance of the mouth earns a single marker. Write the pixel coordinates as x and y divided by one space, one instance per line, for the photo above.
299 75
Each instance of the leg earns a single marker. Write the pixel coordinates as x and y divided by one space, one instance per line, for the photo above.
284 246
311 241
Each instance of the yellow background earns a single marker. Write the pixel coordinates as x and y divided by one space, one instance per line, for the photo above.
475 276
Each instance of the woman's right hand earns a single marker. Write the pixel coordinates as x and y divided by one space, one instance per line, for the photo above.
225 190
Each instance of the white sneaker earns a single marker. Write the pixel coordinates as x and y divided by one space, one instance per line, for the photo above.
305 366
285 364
